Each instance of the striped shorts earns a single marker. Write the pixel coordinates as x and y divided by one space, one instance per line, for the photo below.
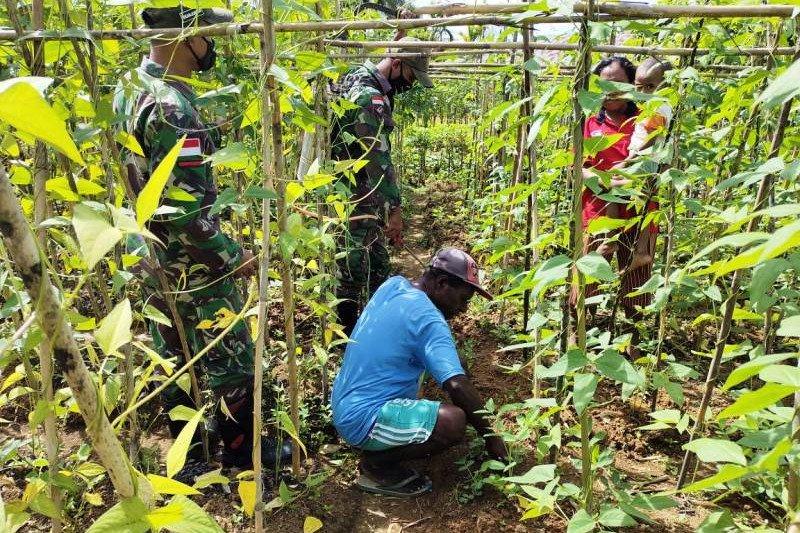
401 422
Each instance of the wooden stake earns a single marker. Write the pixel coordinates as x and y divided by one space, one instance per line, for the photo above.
285 266
21 245
578 278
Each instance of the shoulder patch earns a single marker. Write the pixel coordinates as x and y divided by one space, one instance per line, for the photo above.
378 100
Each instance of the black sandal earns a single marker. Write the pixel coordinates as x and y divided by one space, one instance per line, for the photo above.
410 486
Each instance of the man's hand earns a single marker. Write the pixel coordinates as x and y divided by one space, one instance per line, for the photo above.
394 227
248 265
404 13
496 448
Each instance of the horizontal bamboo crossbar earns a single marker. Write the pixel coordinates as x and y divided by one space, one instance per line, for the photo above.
488 14
629 11
229 30
611 49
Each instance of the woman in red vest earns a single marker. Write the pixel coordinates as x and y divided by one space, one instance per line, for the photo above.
616 116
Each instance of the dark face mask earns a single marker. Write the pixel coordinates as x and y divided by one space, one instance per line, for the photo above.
209 58
400 84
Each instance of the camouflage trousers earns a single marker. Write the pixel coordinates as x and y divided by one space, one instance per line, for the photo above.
362 270
227 369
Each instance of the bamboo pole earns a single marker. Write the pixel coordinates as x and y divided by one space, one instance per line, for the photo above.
578 281
263 272
40 175
640 50
630 11
21 245
241 28
285 266
724 330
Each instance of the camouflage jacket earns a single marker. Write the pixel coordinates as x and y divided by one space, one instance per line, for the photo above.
158 112
363 132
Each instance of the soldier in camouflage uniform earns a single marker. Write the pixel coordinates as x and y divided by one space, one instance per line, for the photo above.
363 133
198 259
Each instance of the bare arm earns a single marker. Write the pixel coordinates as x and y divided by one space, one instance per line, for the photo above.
464 395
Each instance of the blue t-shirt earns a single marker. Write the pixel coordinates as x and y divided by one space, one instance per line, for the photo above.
399 335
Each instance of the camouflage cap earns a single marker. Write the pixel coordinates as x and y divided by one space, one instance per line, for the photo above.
461 265
184 17
419 64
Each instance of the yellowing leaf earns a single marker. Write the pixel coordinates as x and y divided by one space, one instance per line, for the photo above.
311 524
114 330
176 456
293 191
165 485
147 201
96 236
92 498
129 141
247 493
24 108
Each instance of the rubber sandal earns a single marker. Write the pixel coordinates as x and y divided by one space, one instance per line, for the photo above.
413 485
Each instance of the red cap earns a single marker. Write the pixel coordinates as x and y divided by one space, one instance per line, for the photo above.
461 265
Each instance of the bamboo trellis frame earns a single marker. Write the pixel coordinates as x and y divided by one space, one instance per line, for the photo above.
455 16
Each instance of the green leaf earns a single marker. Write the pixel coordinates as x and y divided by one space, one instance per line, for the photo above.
752 401
129 141
96 236
751 368
147 201
225 199
594 145
294 191
595 266
165 485
286 424
790 327
716 522
581 522
537 474
176 456
182 515
210 478
616 518
260 193
128 516
613 365
114 330
24 108
782 88
717 451
783 374
583 391
727 473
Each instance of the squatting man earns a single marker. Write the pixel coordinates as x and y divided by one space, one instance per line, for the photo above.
402 333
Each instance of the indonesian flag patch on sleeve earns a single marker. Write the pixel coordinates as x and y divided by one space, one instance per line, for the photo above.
191 154
378 100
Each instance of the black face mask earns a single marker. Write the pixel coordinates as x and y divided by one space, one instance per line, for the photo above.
209 59
400 84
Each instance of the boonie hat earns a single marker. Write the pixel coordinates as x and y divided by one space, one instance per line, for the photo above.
184 17
461 265
419 64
